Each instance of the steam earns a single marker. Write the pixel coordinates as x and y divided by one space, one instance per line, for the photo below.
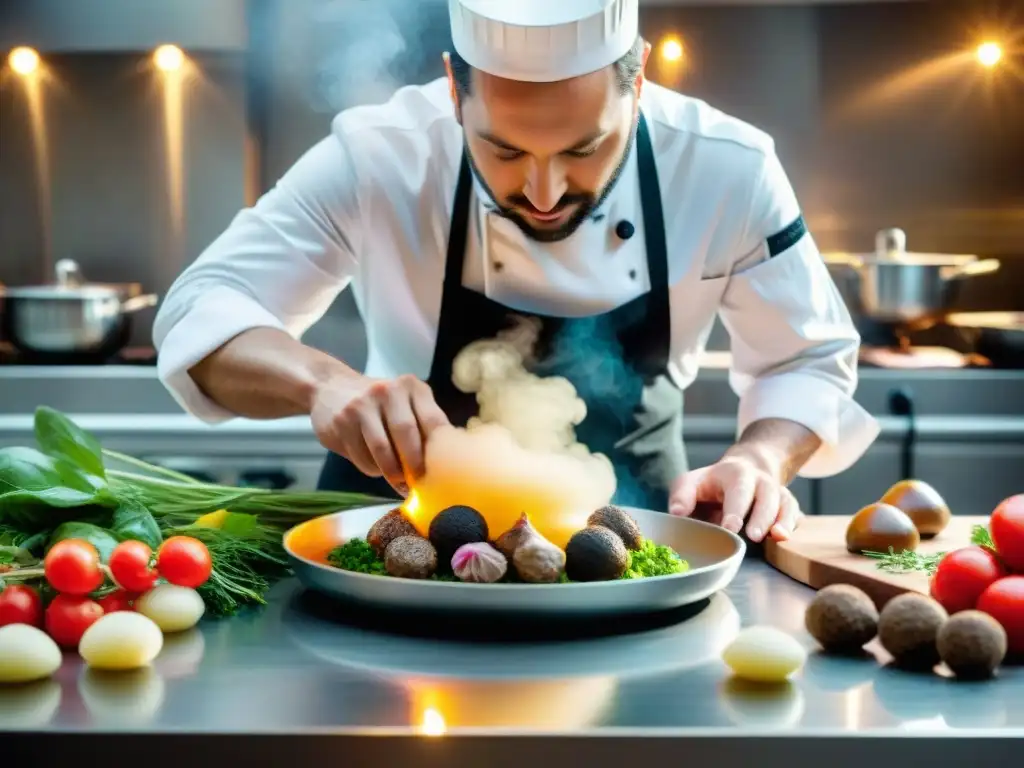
523 442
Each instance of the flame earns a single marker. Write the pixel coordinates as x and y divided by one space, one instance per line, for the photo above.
433 723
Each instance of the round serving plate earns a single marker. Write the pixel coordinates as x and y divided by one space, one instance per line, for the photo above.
714 555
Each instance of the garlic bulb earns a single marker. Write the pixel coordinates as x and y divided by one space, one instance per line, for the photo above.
479 562
536 559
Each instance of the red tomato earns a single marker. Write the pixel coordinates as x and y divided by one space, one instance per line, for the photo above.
20 605
129 562
117 601
68 616
72 566
1007 528
962 576
1004 602
184 561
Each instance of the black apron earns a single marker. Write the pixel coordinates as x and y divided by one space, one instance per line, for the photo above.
616 360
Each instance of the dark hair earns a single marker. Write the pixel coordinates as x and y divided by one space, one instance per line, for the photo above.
626 70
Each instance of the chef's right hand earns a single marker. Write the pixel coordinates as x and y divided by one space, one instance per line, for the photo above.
380 425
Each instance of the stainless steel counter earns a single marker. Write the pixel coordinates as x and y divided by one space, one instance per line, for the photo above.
307 681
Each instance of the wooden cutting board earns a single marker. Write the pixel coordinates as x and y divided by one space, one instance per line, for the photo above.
816 555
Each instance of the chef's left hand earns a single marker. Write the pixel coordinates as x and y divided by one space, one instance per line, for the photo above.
744 492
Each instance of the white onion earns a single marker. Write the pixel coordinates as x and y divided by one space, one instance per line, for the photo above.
27 654
120 641
173 608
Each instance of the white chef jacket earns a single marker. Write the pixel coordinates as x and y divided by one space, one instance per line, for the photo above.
369 208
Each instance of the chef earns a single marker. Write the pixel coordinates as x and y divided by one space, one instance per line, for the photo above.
543 178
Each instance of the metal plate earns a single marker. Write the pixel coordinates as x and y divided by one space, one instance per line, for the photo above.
714 555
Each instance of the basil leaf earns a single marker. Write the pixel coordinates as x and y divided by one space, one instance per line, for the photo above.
31 482
60 437
133 521
102 539
15 556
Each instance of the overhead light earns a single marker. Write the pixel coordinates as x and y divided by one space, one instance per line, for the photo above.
23 60
168 58
671 49
989 54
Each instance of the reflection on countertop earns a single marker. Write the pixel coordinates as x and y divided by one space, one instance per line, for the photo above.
331 669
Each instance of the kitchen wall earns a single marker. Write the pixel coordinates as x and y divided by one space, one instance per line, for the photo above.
937 151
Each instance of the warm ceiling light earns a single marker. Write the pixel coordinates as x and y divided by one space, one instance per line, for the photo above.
168 58
24 61
671 49
989 54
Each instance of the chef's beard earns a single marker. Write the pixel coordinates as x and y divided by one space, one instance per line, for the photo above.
587 203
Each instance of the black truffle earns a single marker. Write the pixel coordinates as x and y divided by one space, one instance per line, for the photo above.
595 554
452 528
410 557
619 523
389 528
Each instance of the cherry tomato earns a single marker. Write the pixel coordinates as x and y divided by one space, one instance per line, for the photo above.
129 562
184 561
117 601
1007 528
72 567
962 576
1004 602
20 605
68 616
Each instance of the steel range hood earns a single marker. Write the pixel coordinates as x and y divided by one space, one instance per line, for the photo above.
95 26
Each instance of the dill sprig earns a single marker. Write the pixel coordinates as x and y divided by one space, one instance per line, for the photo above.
906 561
913 562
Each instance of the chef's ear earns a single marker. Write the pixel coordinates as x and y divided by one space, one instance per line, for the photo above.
641 76
453 91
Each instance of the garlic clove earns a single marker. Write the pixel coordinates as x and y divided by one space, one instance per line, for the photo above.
479 562
536 559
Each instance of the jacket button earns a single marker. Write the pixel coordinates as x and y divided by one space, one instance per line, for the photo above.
624 229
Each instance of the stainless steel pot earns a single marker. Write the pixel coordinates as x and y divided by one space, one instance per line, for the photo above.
909 289
71 317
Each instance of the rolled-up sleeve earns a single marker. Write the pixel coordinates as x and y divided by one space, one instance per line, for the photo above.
794 345
279 264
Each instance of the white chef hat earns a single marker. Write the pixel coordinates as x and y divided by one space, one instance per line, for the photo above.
543 40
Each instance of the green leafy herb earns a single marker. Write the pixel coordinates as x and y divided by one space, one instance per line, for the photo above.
244 566
101 538
30 478
906 561
12 555
61 438
654 560
132 520
356 555
981 537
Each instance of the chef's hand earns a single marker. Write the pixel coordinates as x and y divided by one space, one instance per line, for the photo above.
380 425
734 488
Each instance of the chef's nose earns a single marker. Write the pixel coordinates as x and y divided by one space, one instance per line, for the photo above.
545 185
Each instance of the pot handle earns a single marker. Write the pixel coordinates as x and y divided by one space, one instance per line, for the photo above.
136 303
970 269
847 260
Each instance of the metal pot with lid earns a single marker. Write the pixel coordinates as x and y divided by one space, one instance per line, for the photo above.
71 317
908 289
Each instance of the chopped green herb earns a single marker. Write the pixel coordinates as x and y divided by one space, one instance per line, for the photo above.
356 555
906 561
654 560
